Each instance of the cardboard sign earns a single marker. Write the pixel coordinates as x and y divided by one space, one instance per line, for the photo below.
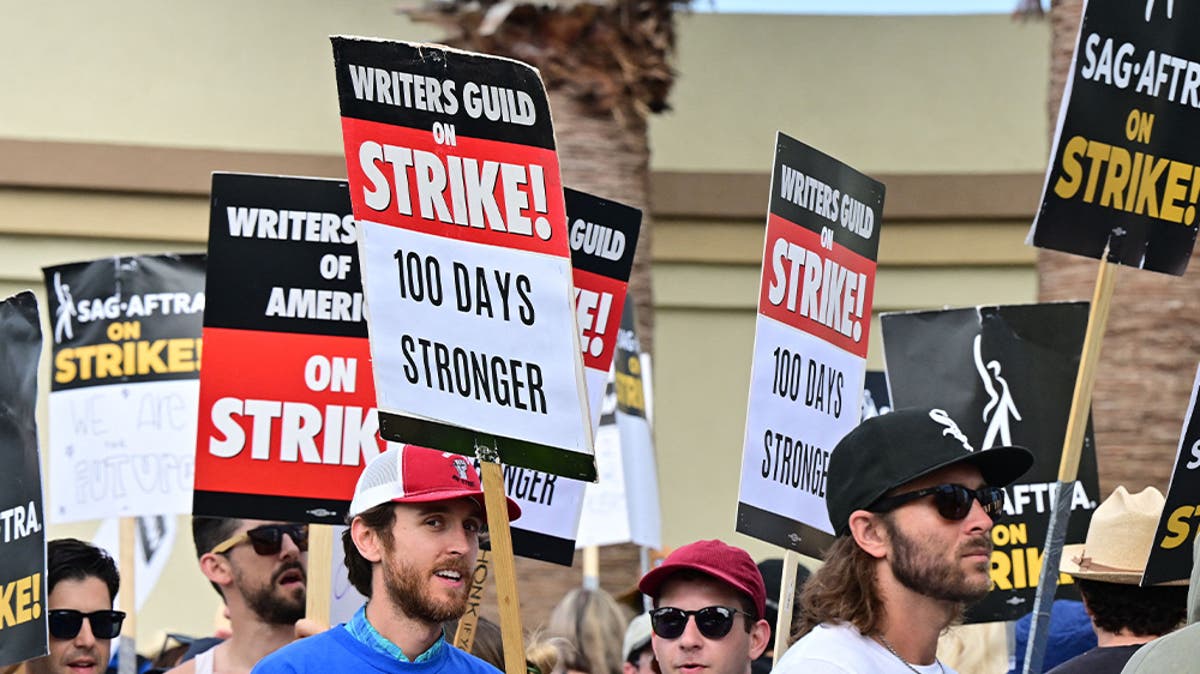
1123 171
124 382
463 240
22 536
287 400
810 342
603 236
1171 555
1005 375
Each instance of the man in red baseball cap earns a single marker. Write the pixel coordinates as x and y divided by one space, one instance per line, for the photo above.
414 532
709 602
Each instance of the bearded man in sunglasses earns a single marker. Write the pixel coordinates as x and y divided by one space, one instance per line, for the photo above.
259 569
709 603
82 582
912 505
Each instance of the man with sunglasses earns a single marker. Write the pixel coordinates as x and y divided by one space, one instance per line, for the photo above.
259 569
415 521
82 582
709 603
912 505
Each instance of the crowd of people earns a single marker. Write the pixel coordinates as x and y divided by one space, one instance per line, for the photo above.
911 502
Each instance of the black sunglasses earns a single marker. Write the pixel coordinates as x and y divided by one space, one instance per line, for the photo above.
953 501
65 623
713 622
267 539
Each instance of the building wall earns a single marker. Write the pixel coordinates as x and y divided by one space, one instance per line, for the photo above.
114 114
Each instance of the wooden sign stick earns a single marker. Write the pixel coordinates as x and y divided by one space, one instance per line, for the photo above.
787 595
1068 467
591 567
319 585
464 636
127 658
511 632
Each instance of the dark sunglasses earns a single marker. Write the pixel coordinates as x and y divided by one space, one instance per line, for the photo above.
267 539
713 622
953 501
65 623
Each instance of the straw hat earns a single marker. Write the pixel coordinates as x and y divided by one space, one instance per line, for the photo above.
1119 539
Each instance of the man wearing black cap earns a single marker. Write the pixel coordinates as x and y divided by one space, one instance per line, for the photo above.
912 505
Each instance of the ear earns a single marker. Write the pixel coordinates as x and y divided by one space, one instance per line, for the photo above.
870 534
760 635
366 540
216 568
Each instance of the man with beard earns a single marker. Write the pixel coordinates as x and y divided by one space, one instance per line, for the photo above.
81 582
912 505
415 521
259 568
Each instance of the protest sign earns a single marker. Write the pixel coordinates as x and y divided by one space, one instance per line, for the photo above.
22 536
810 342
1171 555
876 399
1005 375
1123 171
463 239
126 361
287 400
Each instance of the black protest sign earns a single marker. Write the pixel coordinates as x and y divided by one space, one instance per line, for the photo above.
876 399
1123 172
1171 555
287 397
125 374
22 537
1006 375
463 238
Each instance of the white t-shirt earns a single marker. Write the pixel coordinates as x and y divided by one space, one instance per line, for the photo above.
841 649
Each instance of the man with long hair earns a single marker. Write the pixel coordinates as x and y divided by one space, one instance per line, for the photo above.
260 569
415 521
912 505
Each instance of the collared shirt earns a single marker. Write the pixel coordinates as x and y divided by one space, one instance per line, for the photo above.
361 629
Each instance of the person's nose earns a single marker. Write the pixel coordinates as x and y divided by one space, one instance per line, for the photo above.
85 638
288 548
977 519
691 637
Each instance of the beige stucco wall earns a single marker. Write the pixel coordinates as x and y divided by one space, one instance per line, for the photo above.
899 95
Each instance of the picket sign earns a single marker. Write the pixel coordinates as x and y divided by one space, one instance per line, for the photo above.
464 636
787 603
1068 468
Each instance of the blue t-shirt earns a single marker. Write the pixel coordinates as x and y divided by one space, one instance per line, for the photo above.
337 650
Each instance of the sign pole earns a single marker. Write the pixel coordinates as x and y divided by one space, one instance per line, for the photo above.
320 573
127 659
464 636
787 597
1068 467
506 573
591 567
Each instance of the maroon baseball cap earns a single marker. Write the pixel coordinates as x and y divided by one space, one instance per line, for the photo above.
724 562
412 474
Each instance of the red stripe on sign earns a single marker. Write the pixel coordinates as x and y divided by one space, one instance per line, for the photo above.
825 292
485 191
285 414
599 303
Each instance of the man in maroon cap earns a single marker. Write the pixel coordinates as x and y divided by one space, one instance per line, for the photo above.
709 602
414 535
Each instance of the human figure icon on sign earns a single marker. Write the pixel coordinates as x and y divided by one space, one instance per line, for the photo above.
1000 405
66 309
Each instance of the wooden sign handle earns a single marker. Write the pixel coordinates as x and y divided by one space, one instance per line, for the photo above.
319 586
511 632
787 595
464 636
127 658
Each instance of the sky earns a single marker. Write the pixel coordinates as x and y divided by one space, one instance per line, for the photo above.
856 6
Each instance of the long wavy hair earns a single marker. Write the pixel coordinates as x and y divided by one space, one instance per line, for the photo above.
844 590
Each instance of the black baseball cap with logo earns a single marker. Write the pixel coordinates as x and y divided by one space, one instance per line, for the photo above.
889 450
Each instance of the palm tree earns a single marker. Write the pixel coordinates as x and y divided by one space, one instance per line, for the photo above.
606 66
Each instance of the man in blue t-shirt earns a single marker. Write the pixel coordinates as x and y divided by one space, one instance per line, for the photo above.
414 535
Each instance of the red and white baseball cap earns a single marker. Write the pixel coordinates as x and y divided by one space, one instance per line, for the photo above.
412 474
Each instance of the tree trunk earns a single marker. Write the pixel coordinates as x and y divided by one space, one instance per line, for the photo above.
1150 348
